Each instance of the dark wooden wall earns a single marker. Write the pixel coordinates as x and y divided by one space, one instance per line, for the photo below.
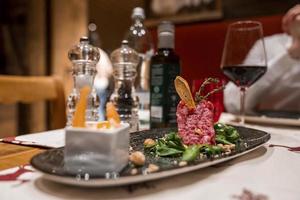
23 49
35 36
113 19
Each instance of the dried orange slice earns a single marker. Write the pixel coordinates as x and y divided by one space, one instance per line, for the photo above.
183 90
79 115
112 114
103 124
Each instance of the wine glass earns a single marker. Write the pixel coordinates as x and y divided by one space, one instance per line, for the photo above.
244 57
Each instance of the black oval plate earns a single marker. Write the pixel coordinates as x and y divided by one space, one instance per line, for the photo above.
51 162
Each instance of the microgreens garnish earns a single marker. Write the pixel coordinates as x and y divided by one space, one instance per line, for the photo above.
199 97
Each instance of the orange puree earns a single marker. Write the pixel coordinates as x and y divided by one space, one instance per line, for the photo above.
103 124
112 114
79 115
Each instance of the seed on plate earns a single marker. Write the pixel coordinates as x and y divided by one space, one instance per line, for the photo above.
226 147
220 145
152 168
137 158
149 143
182 163
202 156
134 171
228 150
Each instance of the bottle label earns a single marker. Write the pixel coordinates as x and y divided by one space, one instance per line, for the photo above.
164 98
157 113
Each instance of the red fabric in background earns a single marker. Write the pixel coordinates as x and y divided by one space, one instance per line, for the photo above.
200 45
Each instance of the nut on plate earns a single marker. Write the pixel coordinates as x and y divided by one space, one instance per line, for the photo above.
182 163
220 145
227 148
152 168
134 171
137 158
148 143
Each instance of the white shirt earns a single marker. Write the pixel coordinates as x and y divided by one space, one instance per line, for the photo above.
278 89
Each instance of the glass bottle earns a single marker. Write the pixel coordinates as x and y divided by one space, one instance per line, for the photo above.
165 66
125 61
84 58
139 38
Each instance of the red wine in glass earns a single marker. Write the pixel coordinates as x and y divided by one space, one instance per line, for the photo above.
244 58
244 76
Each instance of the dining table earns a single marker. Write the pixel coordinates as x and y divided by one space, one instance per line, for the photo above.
271 172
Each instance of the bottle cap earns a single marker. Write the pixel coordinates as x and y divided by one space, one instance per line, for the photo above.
138 12
166 34
92 27
84 52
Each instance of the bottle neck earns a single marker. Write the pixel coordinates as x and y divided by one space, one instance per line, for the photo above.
138 20
165 50
165 40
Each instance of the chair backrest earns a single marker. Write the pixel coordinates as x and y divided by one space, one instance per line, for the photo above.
30 89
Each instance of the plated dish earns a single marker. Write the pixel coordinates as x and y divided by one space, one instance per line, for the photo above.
92 155
51 162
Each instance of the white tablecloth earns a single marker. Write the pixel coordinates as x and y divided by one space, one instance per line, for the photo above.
272 172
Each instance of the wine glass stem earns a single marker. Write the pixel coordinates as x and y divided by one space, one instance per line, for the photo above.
242 106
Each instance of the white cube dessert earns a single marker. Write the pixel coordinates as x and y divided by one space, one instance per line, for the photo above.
96 151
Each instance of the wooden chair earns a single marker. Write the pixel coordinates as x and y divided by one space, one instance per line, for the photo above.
29 89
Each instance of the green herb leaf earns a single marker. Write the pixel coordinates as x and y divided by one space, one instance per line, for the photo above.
191 153
212 150
226 134
216 149
222 139
166 151
219 126
175 145
232 134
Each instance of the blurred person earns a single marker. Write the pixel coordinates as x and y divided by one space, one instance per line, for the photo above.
102 81
279 88
104 71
